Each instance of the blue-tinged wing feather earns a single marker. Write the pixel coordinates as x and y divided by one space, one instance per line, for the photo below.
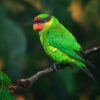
60 38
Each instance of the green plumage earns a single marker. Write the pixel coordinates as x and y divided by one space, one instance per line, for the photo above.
60 44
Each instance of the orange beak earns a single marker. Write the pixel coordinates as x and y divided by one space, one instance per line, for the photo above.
38 26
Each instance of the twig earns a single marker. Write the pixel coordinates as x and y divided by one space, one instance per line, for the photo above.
24 84
91 50
39 74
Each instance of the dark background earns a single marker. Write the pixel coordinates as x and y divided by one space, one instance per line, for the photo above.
21 53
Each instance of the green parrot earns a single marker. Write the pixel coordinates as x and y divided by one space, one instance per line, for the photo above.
59 43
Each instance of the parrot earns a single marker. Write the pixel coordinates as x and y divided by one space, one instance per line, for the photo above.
59 43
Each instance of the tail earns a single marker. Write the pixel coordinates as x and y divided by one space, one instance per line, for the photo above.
88 62
84 68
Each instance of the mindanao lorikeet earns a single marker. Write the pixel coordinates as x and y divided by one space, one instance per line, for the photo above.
59 43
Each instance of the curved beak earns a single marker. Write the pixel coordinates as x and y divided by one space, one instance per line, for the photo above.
38 26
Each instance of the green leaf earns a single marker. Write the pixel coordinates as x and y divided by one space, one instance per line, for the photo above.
4 82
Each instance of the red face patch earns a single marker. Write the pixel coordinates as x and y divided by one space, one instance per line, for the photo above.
38 26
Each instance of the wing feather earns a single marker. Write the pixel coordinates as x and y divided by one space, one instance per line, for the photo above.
60 38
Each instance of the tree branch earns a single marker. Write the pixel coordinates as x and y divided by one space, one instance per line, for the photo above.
23 85
91 50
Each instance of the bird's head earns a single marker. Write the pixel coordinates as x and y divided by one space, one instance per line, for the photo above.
41 22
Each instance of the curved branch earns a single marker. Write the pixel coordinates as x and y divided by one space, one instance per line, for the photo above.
24 84
91 50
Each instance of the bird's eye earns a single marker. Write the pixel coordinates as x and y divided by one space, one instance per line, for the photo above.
42 21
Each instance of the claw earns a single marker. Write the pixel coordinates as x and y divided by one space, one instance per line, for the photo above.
56 66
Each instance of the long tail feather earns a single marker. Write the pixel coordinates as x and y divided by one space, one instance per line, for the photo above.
84 68
88 62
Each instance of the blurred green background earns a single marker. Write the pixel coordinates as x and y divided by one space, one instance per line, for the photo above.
21 53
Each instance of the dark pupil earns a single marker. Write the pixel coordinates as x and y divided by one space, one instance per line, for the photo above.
42 21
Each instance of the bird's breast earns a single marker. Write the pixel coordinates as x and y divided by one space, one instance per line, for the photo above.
53 52
47 47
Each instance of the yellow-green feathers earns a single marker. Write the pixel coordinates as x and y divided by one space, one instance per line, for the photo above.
61 45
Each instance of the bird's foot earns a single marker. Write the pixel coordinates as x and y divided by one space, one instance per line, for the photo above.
56 66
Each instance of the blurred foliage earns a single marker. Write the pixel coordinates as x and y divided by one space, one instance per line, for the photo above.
4 82
13 43
92 10
23 55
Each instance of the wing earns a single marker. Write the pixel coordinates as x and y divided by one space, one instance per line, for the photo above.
60 38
